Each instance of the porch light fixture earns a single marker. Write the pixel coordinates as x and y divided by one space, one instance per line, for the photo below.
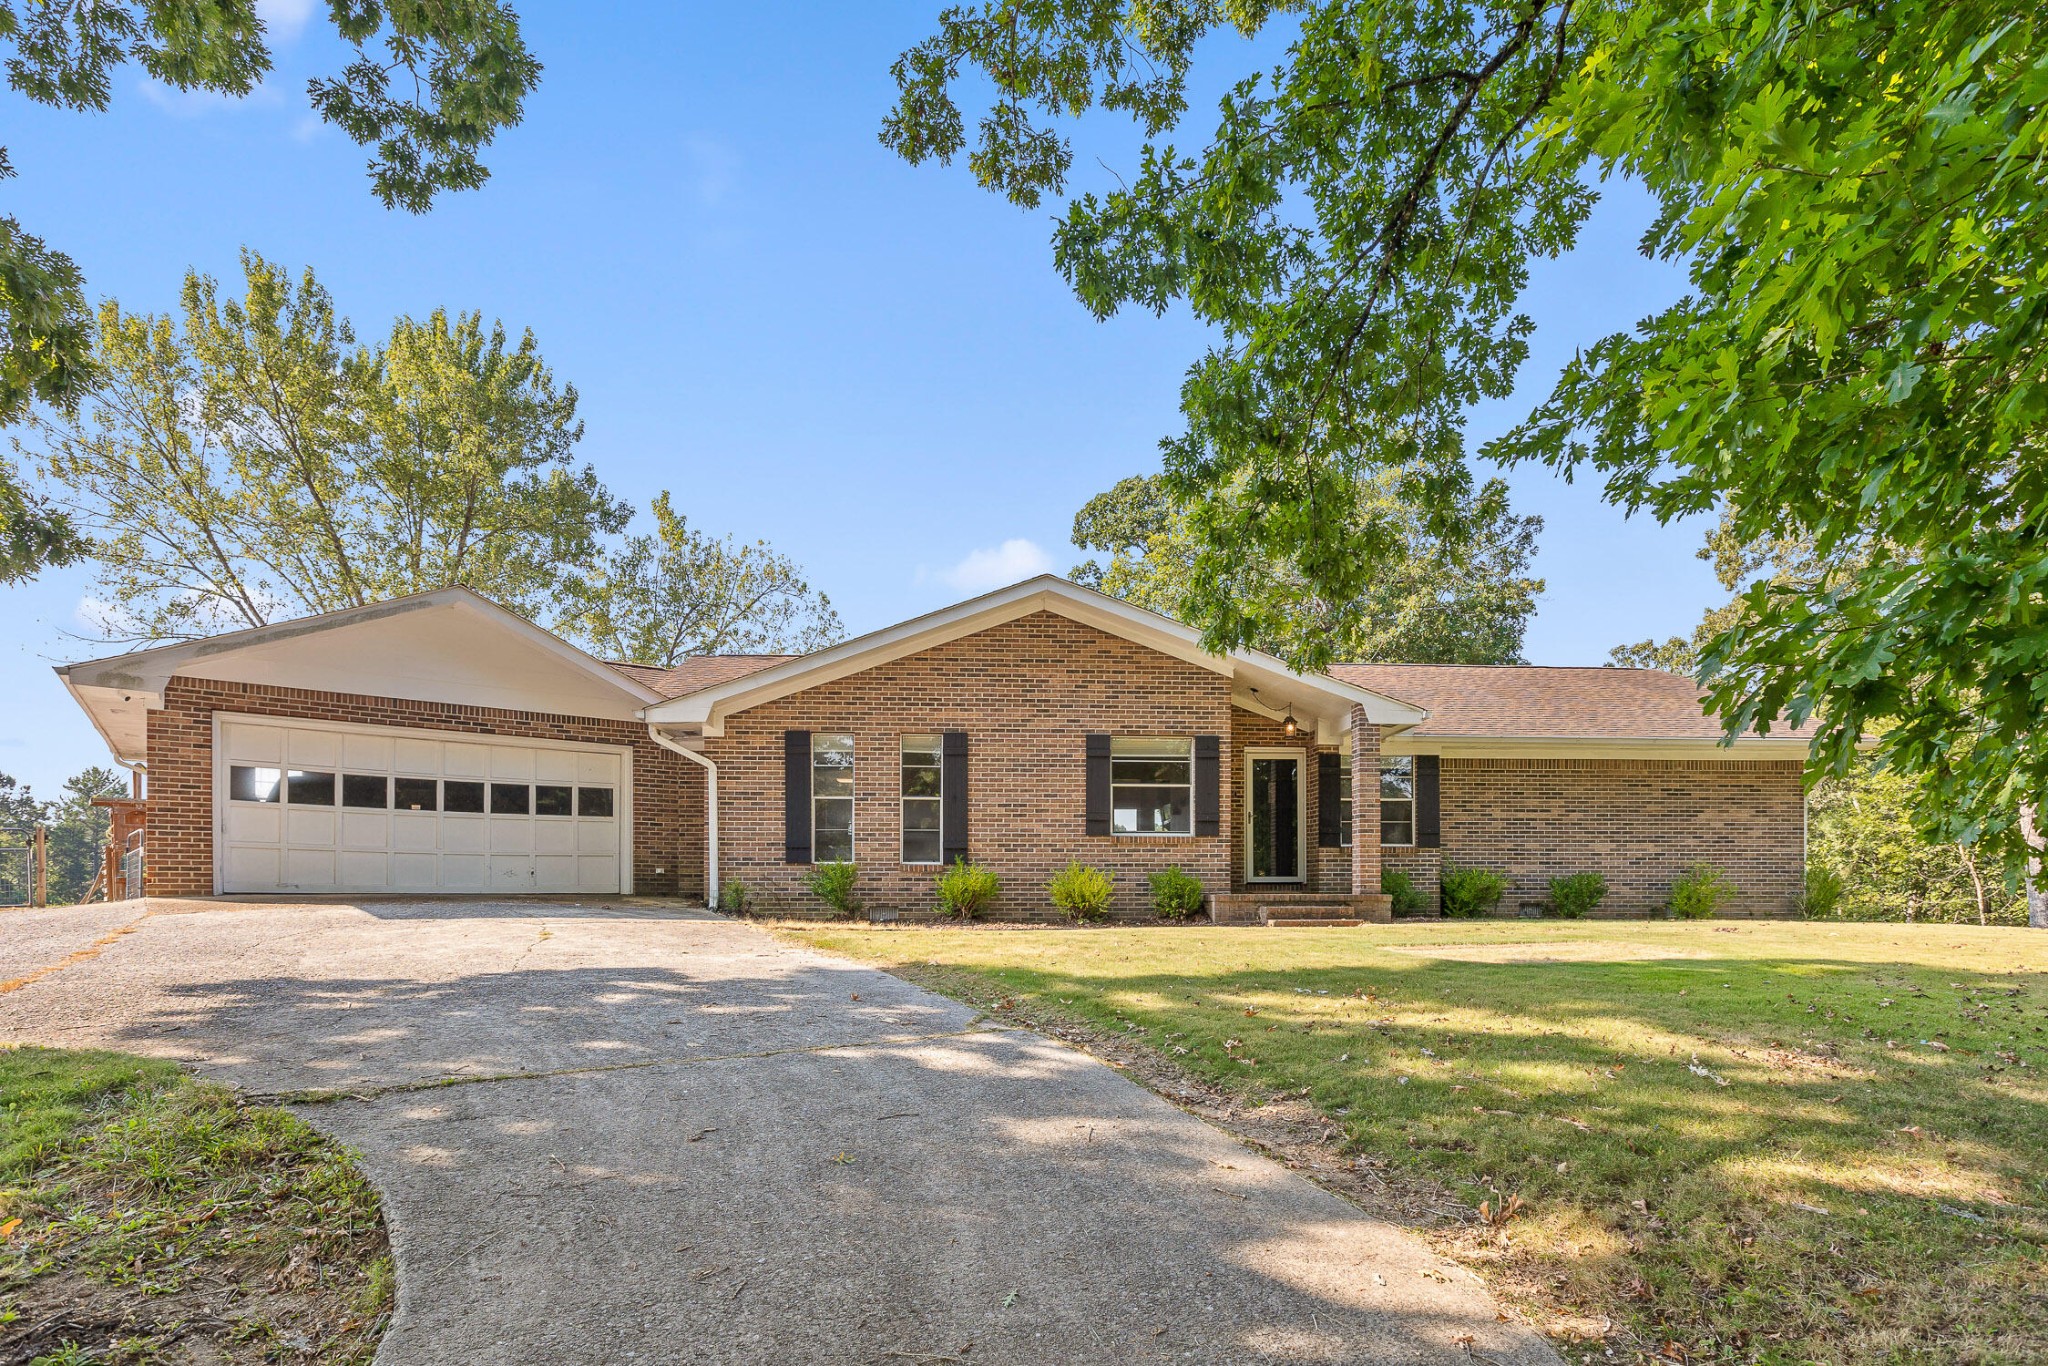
1288 727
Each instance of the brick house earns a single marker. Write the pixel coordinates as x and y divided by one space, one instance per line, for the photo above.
440 744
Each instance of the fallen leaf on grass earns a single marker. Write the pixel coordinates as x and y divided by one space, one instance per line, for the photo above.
7 1229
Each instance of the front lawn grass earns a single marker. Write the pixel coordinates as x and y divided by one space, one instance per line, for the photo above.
1757 1142
147 1217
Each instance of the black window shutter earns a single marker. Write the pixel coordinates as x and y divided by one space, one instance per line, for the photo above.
796 796
1098 784
1329 798
953 796
1208 784
1429 814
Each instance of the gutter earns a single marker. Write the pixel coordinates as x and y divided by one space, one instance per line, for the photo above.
710 811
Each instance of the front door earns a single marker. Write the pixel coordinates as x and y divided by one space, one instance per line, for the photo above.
1276 809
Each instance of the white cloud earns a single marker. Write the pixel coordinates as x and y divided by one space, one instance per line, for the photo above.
284 20
995 566
190 104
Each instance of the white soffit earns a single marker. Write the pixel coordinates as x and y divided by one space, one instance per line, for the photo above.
450 646
1315 698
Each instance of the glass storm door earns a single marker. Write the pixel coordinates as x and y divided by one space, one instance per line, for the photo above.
1274 817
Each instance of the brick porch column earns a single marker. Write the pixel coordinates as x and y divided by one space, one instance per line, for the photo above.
1365 805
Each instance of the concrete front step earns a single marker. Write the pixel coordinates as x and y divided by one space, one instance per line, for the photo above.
1263 907
1310 922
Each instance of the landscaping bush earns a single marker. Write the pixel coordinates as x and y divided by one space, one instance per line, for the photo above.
1082 892
1822 899
1699 892
1401 888
832 883
1176 893
735 897
1575 897
1471 892
966 888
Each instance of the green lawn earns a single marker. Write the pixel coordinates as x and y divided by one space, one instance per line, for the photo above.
1754 1142
145 1216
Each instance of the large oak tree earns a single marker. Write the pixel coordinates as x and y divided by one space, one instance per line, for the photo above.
1854 190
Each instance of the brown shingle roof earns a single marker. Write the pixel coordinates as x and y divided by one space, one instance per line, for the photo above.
699 671
1535 702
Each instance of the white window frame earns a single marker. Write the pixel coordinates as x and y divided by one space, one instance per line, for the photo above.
1187 755
852 805
1408 762
1344 807
938 800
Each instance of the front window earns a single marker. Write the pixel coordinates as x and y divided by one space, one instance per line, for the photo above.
922 788
1344 800
1397 800
1151 786
831 798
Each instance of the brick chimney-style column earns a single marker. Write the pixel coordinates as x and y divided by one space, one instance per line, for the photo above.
1365 805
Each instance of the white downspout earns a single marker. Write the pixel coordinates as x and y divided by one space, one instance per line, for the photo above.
710 811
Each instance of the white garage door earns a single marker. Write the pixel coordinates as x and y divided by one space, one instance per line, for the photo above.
317 808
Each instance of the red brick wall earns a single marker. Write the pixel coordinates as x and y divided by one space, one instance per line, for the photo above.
1026 692
668 791
1638 822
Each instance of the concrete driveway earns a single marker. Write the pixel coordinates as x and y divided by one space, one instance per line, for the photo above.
611 1133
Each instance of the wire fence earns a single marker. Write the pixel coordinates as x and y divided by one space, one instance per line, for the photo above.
17 867
131 867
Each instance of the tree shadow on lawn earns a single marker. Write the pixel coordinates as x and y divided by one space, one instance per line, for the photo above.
1817 1158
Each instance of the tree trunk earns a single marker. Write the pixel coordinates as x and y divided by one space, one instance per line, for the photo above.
1976 883
2037 893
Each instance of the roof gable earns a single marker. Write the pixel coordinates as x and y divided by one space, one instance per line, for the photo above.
1318 700
451 646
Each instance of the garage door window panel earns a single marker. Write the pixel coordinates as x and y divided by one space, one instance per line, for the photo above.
554 799
594 802
511 799
416 794
250 784
462 797
365 791
303 787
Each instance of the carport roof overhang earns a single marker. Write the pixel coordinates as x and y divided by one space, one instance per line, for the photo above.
451 645
1259 682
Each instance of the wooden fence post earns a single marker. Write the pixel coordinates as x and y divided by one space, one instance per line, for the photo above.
40 852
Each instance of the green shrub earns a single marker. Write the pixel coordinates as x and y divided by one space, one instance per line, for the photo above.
832 883
1822 899
1401 888
1082 892
966 889
1699 892
1176 893
1576 896
1471 892
735 897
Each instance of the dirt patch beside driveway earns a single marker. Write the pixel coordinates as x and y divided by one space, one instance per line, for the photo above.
615 1134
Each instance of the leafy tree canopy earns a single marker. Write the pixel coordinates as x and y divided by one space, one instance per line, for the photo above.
1854 190
657 599
248 461
1435 600
430 86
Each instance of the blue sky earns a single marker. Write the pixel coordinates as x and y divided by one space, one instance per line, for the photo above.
874 367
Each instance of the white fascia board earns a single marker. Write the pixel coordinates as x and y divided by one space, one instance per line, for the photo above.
1754 747
708 707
